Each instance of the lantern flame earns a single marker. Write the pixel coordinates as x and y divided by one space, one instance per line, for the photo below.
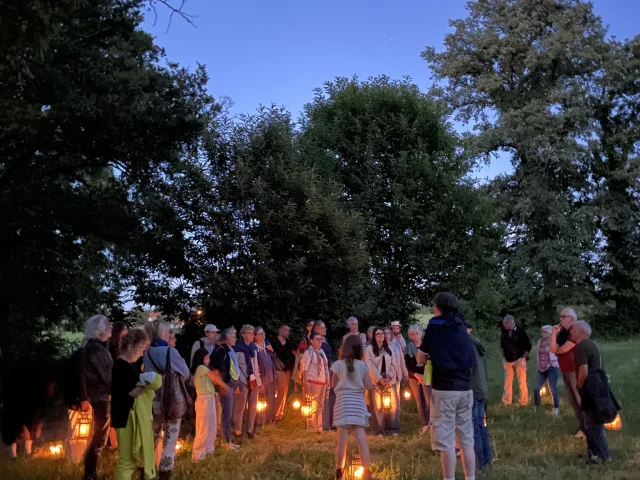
615 425
55 450
386 401
359 472
179 445
407 394
296 405
262 406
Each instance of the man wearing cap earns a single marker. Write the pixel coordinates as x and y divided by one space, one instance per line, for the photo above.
352 324
397 335
208 341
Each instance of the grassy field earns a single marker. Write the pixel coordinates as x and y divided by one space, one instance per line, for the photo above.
527 444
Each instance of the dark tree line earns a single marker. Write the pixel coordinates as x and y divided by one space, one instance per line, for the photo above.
121 178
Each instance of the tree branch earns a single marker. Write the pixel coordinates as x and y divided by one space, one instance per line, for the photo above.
189 18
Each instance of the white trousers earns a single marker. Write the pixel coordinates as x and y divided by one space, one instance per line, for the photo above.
206 427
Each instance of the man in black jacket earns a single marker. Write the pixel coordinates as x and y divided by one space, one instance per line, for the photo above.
284 350
515 346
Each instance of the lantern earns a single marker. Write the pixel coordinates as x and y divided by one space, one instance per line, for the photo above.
407 394
179 446
82 427
386 399
544 391
55 449
295 402
615 425
308 406
356 469
262 404
485 418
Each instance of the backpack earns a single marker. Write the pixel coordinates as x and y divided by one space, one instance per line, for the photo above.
71 380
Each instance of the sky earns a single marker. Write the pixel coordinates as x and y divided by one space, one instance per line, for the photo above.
279 51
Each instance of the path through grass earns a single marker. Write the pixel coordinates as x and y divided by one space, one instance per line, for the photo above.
528 444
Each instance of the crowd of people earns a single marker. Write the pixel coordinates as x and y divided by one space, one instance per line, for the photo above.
137 387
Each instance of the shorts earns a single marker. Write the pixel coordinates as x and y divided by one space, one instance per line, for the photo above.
451 418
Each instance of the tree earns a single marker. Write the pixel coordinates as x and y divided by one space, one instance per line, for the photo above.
428 228
521 71
286 250
93 125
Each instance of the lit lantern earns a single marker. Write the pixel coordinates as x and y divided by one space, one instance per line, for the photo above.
356 470
309 406
295 402
179 446
262 404
82 427
56 449
386 399
544 391
615 425
407 394
485 418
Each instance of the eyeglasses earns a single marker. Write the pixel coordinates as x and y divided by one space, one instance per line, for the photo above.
379 334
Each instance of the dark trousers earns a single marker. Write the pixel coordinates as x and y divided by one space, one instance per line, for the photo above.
226 402
573 396
100 434
551 374
597 445
422 395
482 441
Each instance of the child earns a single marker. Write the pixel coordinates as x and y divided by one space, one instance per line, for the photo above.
350 379
206 420
547 370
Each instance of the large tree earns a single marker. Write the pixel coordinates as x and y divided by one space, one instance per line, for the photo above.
93 124
428 228
520 71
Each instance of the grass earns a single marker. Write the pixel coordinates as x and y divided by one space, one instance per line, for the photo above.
527 444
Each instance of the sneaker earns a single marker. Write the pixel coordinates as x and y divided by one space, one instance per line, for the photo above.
231 446
556 411
595 460
580 434
424 430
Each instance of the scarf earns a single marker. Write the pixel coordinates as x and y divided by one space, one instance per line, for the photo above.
247 350
411 349
159 343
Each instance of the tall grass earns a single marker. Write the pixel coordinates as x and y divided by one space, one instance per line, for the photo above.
528 444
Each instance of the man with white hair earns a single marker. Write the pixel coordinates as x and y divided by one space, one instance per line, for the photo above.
208 341
565 350
593 384
515 346
95 388
352 325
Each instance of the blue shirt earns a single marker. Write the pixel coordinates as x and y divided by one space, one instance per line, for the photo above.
452 353
234 359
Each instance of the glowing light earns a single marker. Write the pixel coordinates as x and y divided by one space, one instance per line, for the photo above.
386 399
179 446
359 472
407 394
296 405
56 449
615 425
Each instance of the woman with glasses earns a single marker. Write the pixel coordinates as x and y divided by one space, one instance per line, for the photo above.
384 402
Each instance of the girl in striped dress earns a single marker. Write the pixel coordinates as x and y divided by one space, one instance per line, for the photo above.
350 379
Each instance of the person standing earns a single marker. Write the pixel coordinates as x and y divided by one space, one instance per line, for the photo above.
208 341
369 337
515 346
396 331
399 366
350 380
315 379
155 360
95 388
327 421
124 392
447 344
249 384
226 362
268 377
379 358
547 370
482 441
564 349
285 351
596 397
421 392
352 325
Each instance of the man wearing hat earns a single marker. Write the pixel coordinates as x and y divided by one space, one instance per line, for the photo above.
397 334
208 341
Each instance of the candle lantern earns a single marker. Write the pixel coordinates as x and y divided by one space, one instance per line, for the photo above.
82 427
544 391
55 449
179 446
615 425
407 393
309 406
386 399
355 470
262 404
295 402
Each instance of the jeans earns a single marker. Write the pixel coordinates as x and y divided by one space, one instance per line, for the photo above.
226 401
573 396
596 441
552 374
101 424
422 395
482 441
